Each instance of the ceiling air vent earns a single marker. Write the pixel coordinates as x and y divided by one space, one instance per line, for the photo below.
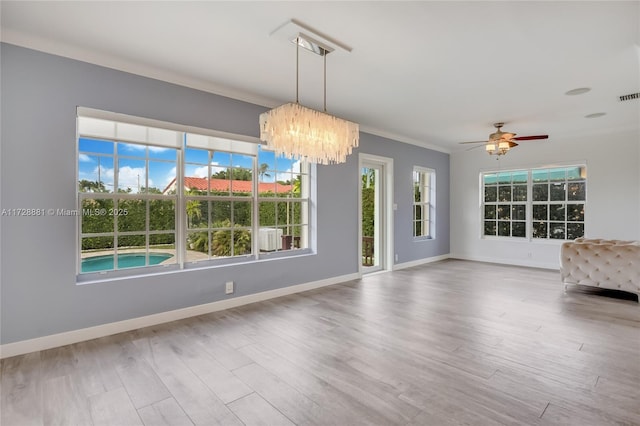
630 96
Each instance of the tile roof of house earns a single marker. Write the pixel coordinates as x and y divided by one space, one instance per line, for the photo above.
200 184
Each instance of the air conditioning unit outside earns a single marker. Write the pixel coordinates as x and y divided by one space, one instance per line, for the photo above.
270 239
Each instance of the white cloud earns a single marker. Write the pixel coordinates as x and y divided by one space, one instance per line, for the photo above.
106 174
131 177
286 175
128 177
203 172
170 176
295 167
136 147
157 149
85 158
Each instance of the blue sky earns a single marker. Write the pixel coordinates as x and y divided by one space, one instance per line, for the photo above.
162 164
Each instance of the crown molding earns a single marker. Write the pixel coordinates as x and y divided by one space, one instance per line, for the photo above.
30 41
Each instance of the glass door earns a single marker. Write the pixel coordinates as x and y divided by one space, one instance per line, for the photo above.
371 220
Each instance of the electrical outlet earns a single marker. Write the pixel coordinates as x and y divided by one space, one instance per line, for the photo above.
396 257
229 287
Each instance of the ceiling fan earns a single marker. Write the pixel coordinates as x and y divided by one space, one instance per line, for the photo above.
500 142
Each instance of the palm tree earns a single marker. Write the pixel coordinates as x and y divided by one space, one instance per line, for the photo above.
91 186
194 210
262 171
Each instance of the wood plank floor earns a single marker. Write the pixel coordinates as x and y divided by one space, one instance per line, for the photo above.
448 343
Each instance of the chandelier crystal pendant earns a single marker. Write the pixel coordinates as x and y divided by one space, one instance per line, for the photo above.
304 133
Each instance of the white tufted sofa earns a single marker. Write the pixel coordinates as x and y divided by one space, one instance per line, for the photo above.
611 264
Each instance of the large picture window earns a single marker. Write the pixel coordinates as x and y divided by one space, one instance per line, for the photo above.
237 200
125 219
546 203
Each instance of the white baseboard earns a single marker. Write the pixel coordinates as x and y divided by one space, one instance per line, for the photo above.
75 336
530 264
420 262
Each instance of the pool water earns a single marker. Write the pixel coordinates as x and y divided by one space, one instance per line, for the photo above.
125 260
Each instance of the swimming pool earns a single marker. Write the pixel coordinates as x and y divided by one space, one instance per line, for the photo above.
125 260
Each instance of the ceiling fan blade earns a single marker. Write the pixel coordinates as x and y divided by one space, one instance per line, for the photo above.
512 144
472 142
473 147
530 138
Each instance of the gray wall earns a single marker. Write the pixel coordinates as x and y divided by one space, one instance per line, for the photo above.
39 294
405 157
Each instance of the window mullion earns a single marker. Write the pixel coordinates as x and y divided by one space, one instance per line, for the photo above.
181 207
529 209
255 221
116 185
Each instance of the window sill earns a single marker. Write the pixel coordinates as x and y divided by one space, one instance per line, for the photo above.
154 271
541 241
422 239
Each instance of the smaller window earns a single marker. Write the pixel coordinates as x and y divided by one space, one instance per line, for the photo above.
424 202
283 202
505 203
559 197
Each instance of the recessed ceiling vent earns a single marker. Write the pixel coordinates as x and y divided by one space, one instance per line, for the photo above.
630 96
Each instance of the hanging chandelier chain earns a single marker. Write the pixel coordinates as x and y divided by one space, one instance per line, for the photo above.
297 67
325 80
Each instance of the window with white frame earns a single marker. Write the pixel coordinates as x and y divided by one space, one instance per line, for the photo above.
545 203
133 212
558 198
125 219
283 202
218 193
424 187
505 203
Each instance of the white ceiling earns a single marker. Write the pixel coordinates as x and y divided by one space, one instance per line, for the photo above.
431 73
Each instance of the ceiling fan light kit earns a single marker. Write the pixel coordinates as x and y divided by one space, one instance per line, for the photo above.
500 142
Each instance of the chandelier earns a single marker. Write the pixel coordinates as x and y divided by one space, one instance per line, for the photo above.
304 133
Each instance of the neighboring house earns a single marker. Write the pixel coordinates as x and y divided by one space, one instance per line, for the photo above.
223 185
